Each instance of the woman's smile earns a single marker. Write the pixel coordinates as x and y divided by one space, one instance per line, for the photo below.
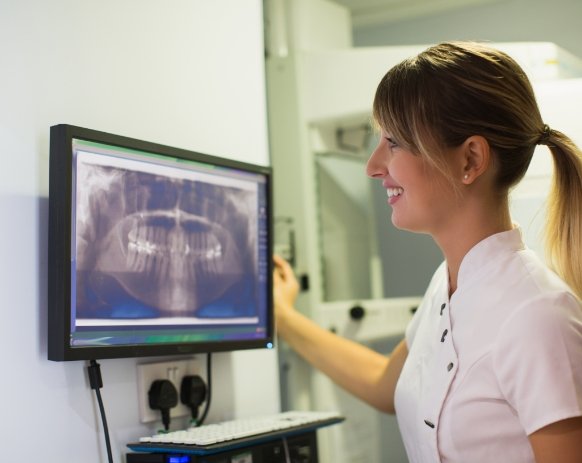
393 194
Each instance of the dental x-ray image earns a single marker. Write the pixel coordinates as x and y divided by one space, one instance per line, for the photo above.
151 246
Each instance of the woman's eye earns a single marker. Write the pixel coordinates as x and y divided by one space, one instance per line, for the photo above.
391 142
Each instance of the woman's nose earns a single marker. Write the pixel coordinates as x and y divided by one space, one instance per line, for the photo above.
376 166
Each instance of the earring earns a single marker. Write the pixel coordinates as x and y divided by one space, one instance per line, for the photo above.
466 176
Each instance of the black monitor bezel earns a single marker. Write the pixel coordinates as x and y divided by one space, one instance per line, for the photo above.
59 249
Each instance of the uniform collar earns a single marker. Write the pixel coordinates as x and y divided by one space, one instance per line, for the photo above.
486 252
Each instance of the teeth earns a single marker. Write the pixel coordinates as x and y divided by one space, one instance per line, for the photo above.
394 192
144 241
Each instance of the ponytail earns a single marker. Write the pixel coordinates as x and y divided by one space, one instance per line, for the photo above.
563 233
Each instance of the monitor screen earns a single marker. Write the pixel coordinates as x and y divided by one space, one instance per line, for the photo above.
155 250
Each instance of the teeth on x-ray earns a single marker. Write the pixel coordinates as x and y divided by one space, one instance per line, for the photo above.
158 242
175 245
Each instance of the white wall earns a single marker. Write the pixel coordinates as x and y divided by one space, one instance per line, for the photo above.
555 21
187 73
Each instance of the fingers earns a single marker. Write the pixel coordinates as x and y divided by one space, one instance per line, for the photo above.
279 268
279 275
284 277
282 267
279 261
277 278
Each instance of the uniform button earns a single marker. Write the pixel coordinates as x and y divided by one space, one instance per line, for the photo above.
443 308
429 424
450 366
444 335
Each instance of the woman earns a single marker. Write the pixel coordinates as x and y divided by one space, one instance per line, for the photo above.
490 369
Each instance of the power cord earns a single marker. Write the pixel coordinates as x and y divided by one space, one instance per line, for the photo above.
209 389
192 394
163 396
96 383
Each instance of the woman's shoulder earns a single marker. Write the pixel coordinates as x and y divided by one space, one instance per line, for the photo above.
521 279
536 358
548 311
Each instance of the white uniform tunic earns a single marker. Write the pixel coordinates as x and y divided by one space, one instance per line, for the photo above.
499 360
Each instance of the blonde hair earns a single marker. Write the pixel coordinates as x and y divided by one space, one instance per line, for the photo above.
454 90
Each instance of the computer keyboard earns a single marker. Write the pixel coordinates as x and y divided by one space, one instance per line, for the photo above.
214 437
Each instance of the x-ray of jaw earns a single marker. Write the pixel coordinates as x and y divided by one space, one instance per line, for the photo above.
150 246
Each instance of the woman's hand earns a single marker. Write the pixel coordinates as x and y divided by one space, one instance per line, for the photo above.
285 289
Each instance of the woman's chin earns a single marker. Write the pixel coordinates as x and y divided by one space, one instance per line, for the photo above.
404 224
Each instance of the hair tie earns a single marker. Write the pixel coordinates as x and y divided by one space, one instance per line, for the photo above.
545 136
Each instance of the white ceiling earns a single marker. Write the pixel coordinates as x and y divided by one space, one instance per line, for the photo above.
372 12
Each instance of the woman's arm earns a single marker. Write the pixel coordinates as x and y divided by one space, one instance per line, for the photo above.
363 372
558 442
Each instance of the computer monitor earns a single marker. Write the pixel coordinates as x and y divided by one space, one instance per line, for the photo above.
155 250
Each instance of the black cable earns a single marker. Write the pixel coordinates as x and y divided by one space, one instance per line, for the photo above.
209 388
192 394
96 383
163 396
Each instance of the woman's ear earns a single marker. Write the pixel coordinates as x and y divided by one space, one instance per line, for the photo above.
475 158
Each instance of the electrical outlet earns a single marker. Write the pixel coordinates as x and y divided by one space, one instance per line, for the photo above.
174 371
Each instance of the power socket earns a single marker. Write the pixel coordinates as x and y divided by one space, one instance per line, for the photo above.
174 371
